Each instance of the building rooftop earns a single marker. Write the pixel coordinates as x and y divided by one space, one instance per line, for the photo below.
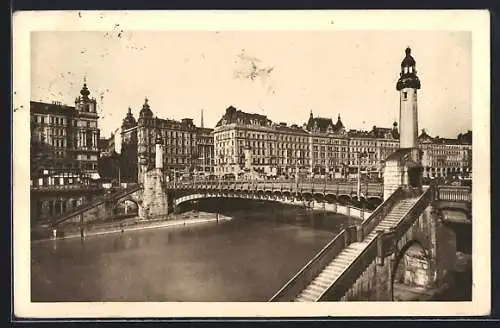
375 133
129 120
234 115
324 125
462 139
55 108
294 128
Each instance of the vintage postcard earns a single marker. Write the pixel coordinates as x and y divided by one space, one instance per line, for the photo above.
251 164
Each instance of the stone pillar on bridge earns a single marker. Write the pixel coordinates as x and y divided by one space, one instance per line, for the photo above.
154 196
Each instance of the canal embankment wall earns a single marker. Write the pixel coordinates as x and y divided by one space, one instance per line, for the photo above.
133 224
351 211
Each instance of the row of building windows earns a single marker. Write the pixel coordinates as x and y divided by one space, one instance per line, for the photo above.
260 136
54 120
334 141
172 135
42 119
187 160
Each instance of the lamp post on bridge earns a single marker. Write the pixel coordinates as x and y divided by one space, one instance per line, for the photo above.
296 175
361 155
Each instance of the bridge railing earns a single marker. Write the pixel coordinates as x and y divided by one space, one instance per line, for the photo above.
314 267
349 276
65 187
379 214
454 193
291 186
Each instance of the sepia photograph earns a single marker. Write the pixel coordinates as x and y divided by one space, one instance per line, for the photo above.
233 163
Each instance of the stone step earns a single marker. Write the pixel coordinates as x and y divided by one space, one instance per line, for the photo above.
309 294
343 262
334 266
394 218
346 255
323 283
331 271
350 250
304 299
315 287
399 211
386 225
328 276
393 214
392 221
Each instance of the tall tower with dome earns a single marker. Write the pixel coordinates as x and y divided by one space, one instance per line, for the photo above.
407 85
404 168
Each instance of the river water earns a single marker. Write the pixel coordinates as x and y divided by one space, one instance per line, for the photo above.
248 258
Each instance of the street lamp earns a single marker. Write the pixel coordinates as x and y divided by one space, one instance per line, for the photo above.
363 154
296 173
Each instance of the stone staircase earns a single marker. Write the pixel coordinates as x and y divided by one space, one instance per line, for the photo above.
90 205
332 271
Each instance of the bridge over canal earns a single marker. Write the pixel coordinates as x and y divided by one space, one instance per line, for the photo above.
397 241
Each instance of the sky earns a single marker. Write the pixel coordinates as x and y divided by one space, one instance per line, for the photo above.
282 74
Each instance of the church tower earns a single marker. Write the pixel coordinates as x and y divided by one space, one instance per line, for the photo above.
407 85
86 130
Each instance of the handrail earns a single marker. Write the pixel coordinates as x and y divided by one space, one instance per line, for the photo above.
84 207
65 187
468 188
341 285
379 213
308 272
346 187
349 276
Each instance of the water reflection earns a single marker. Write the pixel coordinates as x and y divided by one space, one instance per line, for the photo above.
246 259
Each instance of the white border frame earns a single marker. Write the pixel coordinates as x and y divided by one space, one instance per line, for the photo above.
476 21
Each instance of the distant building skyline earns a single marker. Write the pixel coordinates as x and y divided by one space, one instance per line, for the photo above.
283 75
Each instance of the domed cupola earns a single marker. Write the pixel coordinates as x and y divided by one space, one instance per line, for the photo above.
83 103
85 91
408 76
408 61
146 110
339 125
129 120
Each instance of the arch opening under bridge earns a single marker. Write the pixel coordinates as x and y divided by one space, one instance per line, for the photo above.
411 268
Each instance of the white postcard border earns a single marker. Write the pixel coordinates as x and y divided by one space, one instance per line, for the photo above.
475 21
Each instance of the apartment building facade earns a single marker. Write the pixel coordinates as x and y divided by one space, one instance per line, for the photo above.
251 142
187 148
64 140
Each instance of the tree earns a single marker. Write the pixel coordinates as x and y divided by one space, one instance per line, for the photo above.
41 154
108 167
